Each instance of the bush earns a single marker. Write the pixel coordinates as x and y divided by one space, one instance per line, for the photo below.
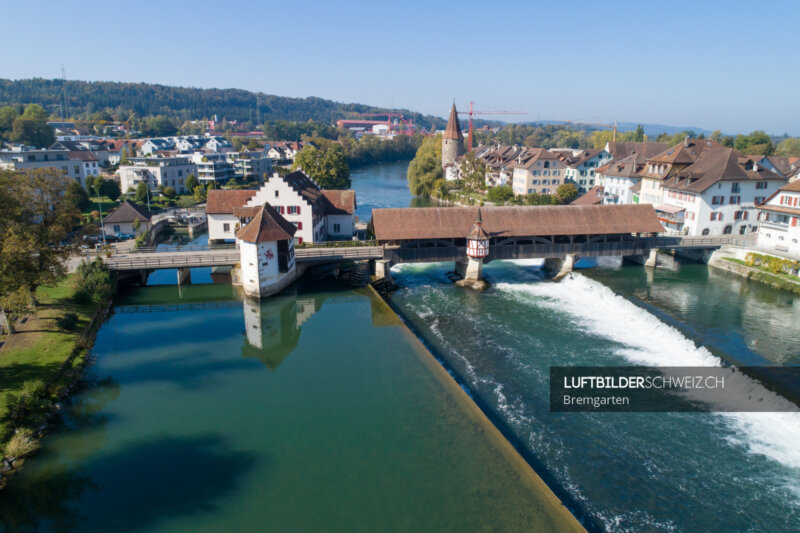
68 321
30 400
169 192
21 444
94 282
501 194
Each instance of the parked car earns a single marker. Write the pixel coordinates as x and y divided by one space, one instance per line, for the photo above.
124 236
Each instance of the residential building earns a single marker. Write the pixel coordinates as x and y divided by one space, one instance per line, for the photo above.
537 170
218 144
212 167
250 165
283 150
642 150
500 161
317 214
153 146
779 222
124 217
156 172
582 169
618 178
90 165
668 163
28 158
716 195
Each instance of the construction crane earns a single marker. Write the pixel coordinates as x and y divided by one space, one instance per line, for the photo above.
612 127
472 113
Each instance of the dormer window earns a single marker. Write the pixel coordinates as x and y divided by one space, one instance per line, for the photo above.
276 194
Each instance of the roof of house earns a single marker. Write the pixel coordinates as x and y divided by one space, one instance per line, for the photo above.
127 211
82 155
220 201
792 186
267 225
643 150
530 156
723 164
398 224
340 202
453 130
584 156
686 152
593 196
628 167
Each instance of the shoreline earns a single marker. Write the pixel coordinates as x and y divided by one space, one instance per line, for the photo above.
553 504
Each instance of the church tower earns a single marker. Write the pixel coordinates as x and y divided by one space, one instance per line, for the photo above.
453 140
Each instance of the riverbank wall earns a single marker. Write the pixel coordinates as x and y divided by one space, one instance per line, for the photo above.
562 518
728 260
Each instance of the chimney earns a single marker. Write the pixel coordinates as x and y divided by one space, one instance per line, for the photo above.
755 167
686 142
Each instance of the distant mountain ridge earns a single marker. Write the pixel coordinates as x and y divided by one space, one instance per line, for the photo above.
185 103
649 129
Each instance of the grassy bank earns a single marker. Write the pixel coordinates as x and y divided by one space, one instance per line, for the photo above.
47 349
758 273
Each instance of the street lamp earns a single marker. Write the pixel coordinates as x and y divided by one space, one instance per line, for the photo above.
102 225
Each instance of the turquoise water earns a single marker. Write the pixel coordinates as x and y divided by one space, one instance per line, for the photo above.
312 411
626 471
384 185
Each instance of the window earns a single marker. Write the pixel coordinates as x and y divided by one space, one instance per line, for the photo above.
735 187
761 185
728 230
276 194
794 221
299 225
716 216
740 215
226 227
116 228
337 228
706 231
735 200
717 200
759 199
299 240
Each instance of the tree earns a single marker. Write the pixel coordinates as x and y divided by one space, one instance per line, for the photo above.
13 307
789 147
35 112
426 167
326 166
142 193
7 116
567 192
29 131
98 185
501 194
78 196
123 156
169 192
199 194
111 189
473 172
36 218
639 134
191 183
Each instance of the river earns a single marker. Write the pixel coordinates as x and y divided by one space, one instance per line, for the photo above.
189 425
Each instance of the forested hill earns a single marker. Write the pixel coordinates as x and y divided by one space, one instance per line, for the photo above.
144 99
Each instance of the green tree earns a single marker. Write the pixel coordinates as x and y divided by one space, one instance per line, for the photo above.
7 116
199 194
326 166
169 192
639 134
426 167
141 193
123 156
29 131
78 196
789 147
567 192
501 194
35 112
191 183
111 189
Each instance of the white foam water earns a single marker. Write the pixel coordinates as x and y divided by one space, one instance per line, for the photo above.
646 340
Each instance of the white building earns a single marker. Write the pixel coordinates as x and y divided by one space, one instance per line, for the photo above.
779 226
716 195
618 179
212 167
668 163
153 146
218 144
266 249
250 165
317 214
124 217
582 169
537 170
27 158
156 172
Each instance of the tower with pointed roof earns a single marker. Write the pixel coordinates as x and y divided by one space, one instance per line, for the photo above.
266 251
453 140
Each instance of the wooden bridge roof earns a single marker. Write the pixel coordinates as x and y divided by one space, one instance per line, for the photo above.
399 224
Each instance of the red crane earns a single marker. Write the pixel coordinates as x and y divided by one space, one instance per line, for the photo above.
472 113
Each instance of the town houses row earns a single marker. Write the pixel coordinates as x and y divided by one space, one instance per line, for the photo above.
159 162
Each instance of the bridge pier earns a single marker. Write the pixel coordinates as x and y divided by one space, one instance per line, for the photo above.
383 269
560 265
470 273
184 276
652 258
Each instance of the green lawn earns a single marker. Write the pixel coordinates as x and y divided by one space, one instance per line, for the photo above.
101 202
40 348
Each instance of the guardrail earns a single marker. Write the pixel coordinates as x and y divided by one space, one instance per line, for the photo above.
178 248
156 262
330 254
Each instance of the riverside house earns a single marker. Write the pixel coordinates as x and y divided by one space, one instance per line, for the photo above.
668 163
583 167
717 194
779 222
317 214
537 170
123 219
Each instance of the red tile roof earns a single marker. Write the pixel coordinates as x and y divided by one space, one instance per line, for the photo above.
268 225
340 202
221 202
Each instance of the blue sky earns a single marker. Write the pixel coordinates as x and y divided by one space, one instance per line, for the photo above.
726 65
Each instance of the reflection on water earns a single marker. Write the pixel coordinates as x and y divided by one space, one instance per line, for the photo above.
309 411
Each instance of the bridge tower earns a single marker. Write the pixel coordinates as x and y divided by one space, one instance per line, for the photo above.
453 139
477 250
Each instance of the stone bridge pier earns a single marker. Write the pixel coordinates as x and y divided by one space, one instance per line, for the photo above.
560 265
